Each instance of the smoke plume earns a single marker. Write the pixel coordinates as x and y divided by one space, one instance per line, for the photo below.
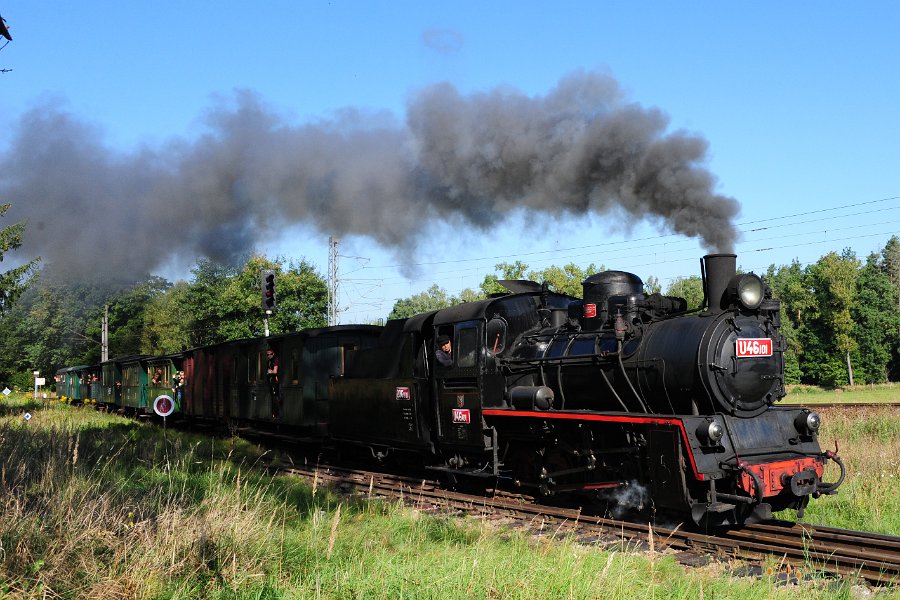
581 148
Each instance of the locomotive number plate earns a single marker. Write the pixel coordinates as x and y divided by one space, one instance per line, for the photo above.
461 415
753 347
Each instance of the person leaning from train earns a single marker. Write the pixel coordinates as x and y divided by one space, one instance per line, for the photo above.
178 385
272 380
444 352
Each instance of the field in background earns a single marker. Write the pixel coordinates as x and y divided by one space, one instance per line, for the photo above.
808 394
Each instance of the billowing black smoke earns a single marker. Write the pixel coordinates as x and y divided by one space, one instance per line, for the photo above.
581 148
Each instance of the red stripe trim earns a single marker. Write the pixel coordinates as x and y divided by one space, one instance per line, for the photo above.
603 486
569 416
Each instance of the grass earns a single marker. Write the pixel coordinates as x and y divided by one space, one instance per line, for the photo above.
868 440
95 506
808 394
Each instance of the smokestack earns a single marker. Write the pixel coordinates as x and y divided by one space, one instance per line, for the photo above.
718 271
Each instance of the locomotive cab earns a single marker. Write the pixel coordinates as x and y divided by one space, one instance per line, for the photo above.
483 335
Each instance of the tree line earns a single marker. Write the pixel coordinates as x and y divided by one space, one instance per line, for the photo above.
840 315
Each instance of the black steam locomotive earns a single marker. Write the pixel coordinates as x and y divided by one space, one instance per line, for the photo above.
618 394
618 391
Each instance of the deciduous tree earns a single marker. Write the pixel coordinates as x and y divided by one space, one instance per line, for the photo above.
876 320
514 270
788 285
689 288
205 299
567 279
434 298
225 303
828 338
168 323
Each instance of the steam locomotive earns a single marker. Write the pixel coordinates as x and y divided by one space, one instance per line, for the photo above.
619 393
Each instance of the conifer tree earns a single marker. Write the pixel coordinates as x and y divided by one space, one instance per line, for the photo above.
13 281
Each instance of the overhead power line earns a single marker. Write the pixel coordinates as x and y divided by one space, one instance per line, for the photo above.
655 241
821 210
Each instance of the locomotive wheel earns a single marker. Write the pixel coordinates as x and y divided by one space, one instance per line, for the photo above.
534 469
556 459
525 465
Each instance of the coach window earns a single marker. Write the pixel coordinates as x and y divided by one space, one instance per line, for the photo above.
346 348
253 372
295 366
495 335
235 379
468 345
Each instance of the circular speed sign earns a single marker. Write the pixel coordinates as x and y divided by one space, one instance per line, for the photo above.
163 405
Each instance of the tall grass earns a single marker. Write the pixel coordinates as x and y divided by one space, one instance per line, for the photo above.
868 441
112 508
94 506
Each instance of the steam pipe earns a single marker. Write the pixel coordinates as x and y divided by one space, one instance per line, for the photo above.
829 488
757 484
628 379
613 390
559 377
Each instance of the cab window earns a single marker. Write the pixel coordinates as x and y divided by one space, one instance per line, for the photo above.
495 335
468 346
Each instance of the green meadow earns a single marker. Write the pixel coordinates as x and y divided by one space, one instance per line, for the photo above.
96 506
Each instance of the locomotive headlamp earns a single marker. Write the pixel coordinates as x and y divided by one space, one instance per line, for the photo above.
711 432
813 421
808 422
748 289
715 432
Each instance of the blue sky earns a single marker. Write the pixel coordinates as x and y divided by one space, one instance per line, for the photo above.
797 102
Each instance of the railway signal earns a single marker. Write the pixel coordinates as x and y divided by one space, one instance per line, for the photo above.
267 281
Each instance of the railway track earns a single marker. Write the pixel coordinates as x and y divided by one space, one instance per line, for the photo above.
799 548
870 556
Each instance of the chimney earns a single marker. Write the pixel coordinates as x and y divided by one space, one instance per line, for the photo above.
717 272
